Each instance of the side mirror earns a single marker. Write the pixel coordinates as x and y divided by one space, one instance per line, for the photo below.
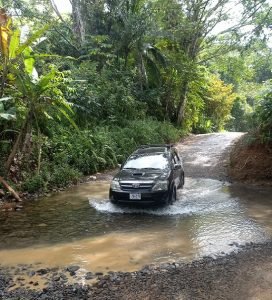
177 166
119 166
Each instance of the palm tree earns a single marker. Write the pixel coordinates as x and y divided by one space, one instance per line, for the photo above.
131 23
149 60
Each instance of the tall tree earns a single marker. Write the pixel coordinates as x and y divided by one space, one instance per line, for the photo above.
79 24
201 23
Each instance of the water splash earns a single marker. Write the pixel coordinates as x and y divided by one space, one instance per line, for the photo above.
190 200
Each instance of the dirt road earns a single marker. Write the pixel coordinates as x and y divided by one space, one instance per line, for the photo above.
207 155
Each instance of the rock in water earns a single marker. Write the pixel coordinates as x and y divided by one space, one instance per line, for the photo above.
72 269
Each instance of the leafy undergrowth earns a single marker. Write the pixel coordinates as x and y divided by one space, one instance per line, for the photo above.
251 161
70 154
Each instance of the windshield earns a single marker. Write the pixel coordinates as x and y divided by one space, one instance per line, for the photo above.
151 161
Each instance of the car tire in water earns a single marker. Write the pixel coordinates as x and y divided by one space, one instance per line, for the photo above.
182 180
172 196
113 201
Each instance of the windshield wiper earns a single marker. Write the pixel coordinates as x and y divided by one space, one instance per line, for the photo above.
130 169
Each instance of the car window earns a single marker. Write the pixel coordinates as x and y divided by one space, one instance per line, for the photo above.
152 161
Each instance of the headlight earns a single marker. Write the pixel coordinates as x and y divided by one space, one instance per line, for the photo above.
115 186
161 186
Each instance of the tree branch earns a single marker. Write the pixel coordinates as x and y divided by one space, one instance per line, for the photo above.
10 189
55 8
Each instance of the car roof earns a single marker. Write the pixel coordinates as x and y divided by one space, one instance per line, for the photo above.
150 149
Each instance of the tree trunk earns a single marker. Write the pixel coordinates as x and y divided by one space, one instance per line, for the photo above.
141 71
39 144
14 150
182 103
19 139
78 21
10 189
55 8
39 157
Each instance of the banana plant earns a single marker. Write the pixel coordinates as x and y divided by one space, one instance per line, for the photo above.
13 53
42 100
40 97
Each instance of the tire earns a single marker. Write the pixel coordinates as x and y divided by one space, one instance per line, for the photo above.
182 180
112 200
172 196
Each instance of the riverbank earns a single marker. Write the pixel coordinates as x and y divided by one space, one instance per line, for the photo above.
251 162
9 203
243 274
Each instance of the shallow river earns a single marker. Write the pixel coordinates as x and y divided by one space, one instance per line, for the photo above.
80 226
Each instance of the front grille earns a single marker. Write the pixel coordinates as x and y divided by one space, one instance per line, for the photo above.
135 185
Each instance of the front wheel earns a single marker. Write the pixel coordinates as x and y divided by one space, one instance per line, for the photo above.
112 200
172 197
181 183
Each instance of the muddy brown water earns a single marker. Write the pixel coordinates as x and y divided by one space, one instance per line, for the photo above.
80 226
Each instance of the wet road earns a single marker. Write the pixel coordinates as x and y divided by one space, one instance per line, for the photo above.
207 155
211 217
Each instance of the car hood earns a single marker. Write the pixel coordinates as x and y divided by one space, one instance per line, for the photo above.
142 174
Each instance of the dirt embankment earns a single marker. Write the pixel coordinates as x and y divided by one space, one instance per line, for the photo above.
251 162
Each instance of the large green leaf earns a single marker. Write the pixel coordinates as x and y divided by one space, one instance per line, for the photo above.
45 80
32 39
44 55
9 114
14 43
29 61
5 99
153 70
66 115
24 84
159 57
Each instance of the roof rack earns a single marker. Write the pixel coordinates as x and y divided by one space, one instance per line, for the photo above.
168 146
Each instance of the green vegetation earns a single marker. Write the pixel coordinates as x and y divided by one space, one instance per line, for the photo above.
65 160
78 94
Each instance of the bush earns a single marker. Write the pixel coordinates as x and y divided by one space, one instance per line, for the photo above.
51 176
87 151
107 94
63 176
103 147
34 184
263 115
139 132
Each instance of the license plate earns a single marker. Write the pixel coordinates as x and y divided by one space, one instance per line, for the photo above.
135 196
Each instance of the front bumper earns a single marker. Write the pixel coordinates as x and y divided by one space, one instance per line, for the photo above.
147 197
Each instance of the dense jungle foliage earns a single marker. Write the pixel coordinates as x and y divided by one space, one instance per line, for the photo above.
82 83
